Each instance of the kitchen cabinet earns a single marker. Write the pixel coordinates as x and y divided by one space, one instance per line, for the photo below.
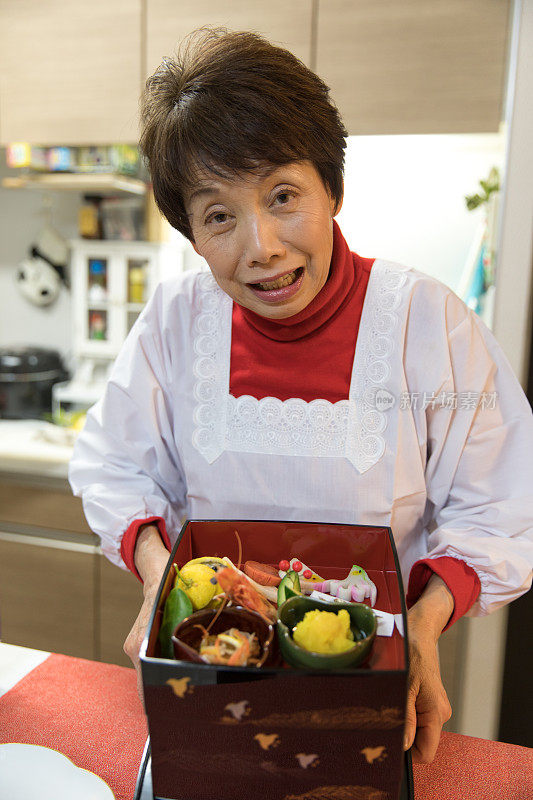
46 594
119 599
44 504
168 22
48 562
419 66
66 597
111 282
70 73
57 591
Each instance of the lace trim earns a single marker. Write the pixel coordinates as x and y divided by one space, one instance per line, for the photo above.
373 393
351 428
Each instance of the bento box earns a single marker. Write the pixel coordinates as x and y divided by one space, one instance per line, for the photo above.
276 732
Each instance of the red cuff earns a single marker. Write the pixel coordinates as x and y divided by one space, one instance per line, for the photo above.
462 581
129 540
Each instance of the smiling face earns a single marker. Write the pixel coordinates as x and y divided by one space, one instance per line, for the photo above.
267 237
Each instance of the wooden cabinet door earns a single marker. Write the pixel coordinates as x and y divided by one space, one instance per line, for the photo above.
38 505
285 23
70 73
120 598
47 594
416 66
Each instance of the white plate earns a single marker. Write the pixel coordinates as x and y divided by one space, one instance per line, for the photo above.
29 771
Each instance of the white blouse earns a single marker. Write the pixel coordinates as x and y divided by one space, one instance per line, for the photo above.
435 438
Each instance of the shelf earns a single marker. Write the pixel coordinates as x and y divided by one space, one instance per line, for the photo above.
93 183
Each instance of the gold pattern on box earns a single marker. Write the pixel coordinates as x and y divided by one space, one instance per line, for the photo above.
329 719
341 793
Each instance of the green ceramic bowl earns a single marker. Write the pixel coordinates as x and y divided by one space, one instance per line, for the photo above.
364 625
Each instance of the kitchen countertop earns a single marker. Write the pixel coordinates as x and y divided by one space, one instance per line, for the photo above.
35 447
91 712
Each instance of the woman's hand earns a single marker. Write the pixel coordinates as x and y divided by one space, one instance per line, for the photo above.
133 642
151 557
428 707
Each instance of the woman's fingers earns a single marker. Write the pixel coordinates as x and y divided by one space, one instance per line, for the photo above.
410 718
432 712
426 743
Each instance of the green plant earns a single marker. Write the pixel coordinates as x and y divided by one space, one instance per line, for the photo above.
492 184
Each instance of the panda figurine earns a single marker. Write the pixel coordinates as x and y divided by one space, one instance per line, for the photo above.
38 281
40 276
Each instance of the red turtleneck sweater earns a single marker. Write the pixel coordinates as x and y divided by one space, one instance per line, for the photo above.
322 346
322 338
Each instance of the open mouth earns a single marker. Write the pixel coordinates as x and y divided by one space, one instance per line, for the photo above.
280 283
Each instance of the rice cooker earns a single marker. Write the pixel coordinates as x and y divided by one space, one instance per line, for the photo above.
27 375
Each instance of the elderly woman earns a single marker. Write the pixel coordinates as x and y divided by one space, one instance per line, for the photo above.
297 380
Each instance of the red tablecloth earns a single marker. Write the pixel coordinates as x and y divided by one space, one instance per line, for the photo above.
88 711
91 713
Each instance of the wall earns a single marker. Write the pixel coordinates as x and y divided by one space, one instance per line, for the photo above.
404 200
21 217
482 672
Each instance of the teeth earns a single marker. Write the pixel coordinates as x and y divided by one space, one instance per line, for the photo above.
286 280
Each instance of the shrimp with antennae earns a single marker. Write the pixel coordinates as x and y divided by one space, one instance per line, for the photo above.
239 589
243 591
239 557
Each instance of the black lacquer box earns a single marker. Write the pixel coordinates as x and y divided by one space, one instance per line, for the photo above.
279 733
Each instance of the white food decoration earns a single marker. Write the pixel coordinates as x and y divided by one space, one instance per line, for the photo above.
357 586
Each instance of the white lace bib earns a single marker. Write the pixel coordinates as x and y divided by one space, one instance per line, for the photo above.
351 428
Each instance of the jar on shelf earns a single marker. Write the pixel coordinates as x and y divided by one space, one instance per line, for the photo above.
97 280
137 282
97 326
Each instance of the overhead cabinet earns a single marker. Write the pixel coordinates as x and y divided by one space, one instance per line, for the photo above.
70 73
416 66
168 22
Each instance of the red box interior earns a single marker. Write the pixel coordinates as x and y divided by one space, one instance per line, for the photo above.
329 549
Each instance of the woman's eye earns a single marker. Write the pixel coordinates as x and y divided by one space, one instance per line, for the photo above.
284 197
219 218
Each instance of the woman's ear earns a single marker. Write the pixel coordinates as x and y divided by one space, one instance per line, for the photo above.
194 246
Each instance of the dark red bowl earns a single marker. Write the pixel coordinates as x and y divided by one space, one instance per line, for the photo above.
187 636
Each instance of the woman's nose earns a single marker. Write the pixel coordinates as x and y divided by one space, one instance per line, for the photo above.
262 240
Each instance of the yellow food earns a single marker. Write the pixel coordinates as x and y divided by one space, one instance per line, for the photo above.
216 564
214 560
196 582
324 632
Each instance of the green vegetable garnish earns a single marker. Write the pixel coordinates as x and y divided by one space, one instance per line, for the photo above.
177 607
289 587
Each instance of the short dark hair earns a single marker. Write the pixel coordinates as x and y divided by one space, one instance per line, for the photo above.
231 103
